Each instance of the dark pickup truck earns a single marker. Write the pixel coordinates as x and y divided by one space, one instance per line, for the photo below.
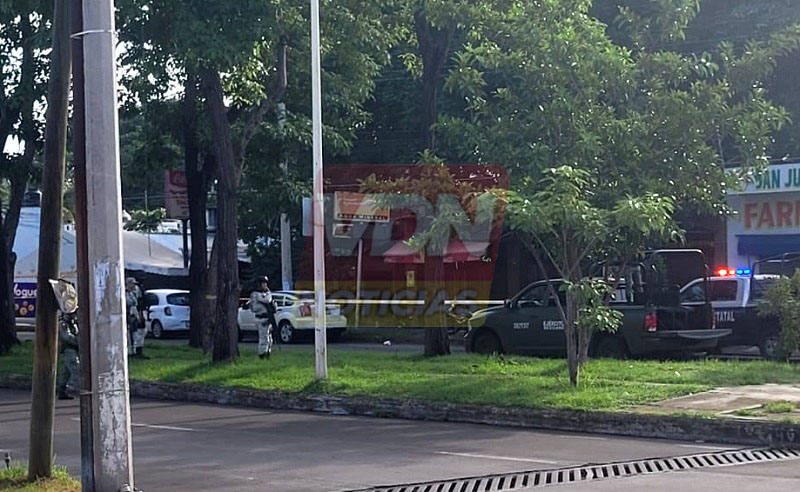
654 321
735 301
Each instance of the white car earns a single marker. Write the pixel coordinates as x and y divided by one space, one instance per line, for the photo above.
167 310
294 314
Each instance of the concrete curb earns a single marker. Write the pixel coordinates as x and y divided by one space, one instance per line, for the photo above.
727 431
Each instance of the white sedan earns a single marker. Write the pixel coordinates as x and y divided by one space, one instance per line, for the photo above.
295 313
167 310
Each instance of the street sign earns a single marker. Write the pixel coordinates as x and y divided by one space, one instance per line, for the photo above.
25 299
358 207
177 194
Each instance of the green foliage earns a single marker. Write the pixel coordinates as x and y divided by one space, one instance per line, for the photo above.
15 479
146 221
782 300
591 296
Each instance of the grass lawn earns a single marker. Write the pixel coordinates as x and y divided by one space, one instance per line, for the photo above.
15 479
475 379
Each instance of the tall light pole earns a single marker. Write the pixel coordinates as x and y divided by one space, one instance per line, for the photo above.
320 332
102 276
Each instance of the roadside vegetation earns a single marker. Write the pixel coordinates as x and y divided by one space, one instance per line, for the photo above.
15 479
608 385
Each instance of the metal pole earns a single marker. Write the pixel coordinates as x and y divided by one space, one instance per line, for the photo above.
185 232
320 323
82 245
111 423
358 282
286 232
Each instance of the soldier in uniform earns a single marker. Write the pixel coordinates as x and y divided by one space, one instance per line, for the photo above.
136 326
68 378
263 307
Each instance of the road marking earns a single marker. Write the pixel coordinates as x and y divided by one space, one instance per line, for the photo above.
588 438
712 448
500 458
160 427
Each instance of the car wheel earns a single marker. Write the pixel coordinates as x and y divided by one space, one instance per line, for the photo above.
770 345
157 329
285 332
487 343
610 347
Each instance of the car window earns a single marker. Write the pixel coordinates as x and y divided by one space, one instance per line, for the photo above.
539 296
695 293
151 300
724 290
759 287
181 299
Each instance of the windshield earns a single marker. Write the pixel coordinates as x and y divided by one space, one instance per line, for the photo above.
181 299
759 286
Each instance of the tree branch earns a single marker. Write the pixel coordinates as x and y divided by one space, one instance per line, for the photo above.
274 96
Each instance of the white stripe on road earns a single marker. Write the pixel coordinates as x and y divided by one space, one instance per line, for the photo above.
711 448
501 458
160 427
588 438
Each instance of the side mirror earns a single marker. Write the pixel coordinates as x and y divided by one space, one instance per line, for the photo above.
508 304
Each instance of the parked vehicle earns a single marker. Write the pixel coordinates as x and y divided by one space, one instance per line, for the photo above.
735 300
654 321
166 310
294 315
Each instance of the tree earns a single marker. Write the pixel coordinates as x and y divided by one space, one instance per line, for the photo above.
24 32
628 136
562 228
782 300
243 73
43 383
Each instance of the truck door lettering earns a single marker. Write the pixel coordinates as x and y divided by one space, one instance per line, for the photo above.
553 325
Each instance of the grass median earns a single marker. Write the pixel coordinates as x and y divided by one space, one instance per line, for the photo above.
15 479
473 379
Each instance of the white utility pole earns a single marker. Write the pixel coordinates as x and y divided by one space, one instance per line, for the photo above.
320 332
111 420
286 231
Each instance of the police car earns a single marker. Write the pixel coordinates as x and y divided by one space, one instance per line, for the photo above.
735 295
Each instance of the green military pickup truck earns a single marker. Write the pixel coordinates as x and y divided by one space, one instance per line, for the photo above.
654 321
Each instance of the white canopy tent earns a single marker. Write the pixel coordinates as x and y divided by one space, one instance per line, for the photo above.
140 253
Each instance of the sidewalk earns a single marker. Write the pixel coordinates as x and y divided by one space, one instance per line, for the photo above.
763 401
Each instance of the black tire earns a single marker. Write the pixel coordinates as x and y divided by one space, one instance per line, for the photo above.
487 343
157 329
286 332
610 347
770 346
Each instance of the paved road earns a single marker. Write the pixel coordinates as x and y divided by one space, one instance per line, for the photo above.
187 447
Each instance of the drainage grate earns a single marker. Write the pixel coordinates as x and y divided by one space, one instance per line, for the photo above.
543 478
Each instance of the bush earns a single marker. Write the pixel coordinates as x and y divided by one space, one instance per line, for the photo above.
782 301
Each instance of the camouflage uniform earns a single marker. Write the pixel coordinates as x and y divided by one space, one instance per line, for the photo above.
69 376
136 328
263 307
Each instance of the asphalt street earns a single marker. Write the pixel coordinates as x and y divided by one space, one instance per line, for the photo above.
189 447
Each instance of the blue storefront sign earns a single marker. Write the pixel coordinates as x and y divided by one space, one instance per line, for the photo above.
25 299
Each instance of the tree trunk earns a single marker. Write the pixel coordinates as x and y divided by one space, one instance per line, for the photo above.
571 333
437 342
8 329
197 185
40 458
18 183
434 47
225 340
211 297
